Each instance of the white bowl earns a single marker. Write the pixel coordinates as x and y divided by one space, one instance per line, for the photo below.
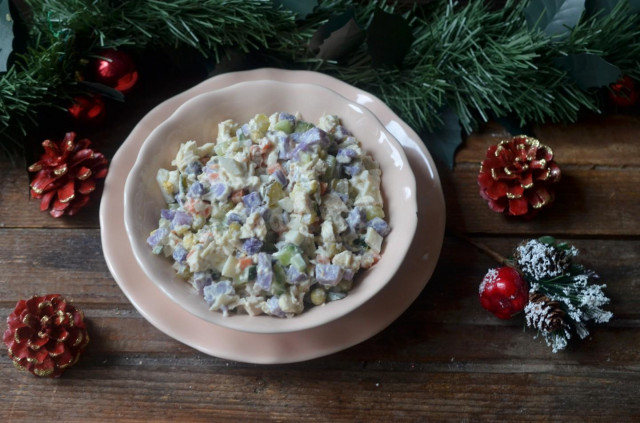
197 119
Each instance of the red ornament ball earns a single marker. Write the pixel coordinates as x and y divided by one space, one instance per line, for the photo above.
623 92
88 109
504 292
45 335
115 69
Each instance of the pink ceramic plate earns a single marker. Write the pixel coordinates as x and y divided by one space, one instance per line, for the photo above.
359 325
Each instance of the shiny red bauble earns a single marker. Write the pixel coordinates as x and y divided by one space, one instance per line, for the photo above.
504 292
115 69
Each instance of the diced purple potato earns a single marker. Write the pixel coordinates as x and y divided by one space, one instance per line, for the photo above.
264 271
287 116
252 200
279 176
181 218
235 217
342 196
220 191
286 145
200 280
252 246
328 274
348 274
353 170
157 236
244 131
380 226
193 168
216 289
180 254
263 211
341 133
196 190
357 219
273 307
167 214
294 276
315 136
285 217
345 155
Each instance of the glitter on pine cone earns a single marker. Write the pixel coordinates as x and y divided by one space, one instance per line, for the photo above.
66 175
45 335
516 175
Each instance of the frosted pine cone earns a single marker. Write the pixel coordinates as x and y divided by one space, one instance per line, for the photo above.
45 335
515 176
544 314
66 174
541 261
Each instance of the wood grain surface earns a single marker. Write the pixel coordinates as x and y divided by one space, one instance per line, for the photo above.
444 359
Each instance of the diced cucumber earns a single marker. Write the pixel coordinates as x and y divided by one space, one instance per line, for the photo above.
298 262
374 211
284 125
285 254
302 126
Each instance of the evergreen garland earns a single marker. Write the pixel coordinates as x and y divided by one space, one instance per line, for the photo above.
474 60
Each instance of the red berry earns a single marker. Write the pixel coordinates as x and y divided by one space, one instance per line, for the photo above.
504 292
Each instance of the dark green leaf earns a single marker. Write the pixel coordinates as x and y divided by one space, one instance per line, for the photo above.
6 34
547 239
555 17
300 7
389 38
342 42
588 70
443 143
604 7
334 23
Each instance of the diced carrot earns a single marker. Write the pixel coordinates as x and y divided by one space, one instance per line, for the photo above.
272 168
236 196
323 187
244 262
376 258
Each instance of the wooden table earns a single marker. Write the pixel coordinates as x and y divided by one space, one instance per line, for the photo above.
444 359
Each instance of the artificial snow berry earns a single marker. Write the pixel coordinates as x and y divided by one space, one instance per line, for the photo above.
504 292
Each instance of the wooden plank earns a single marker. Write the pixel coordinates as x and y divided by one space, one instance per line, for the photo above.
320 393
589 202
442 323
610 140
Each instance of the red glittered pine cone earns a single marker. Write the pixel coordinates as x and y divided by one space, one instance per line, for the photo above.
45 335
66 174
516 175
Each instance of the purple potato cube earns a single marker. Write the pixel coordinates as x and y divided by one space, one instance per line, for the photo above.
380 226
157 236
180 254
328 274
252 246
264 271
